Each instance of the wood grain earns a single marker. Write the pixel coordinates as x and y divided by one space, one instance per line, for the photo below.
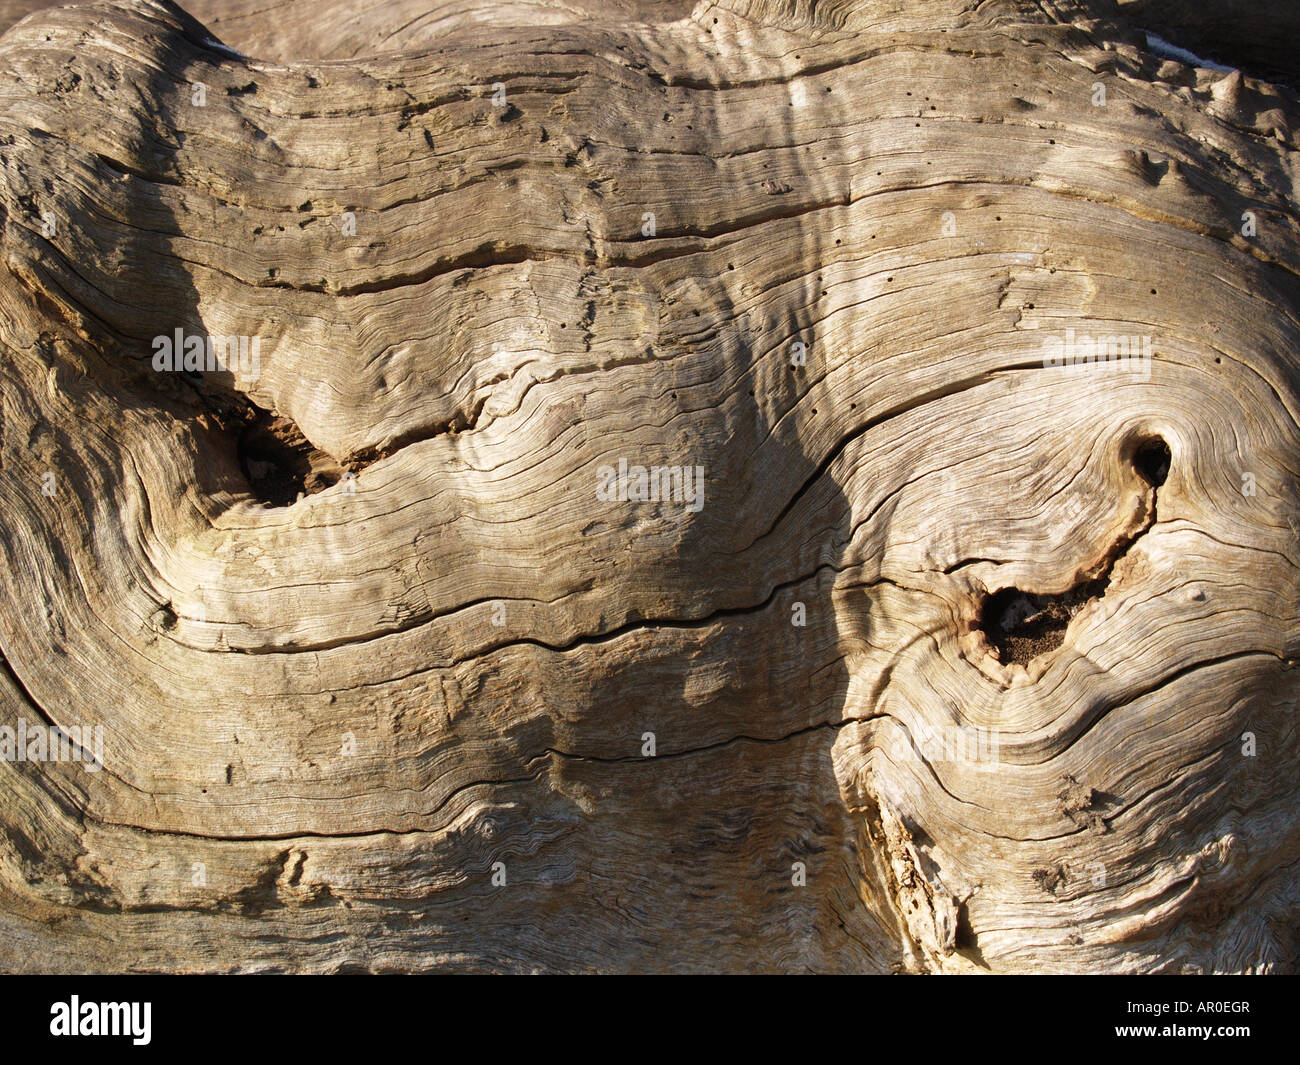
333 721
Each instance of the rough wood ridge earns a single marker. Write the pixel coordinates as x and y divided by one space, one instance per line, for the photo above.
754 486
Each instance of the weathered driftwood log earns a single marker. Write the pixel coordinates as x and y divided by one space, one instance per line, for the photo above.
768 486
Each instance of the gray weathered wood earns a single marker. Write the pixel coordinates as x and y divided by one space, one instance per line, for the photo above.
332 723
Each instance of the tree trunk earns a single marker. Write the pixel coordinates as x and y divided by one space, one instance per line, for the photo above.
761 486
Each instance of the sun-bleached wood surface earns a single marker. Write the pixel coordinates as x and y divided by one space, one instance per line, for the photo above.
388 681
